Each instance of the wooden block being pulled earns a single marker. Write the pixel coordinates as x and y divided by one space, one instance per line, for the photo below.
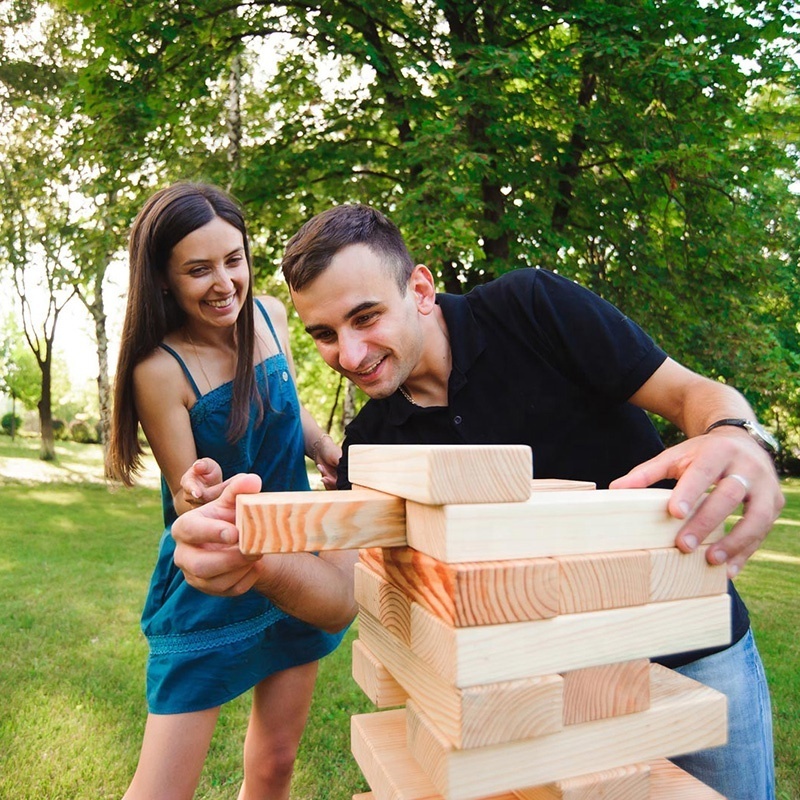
674 574
378 743
603 580
475 716
491 653
547 524
631 782
374 679
479 593
608 690
439 474
286 522
670 782
684 716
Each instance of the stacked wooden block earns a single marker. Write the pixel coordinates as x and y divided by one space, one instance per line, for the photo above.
514 627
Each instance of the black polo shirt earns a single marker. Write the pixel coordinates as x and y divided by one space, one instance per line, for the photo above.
536 360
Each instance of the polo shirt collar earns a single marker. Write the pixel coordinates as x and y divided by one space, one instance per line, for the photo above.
467 342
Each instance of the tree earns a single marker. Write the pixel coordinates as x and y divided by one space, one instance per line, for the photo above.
20 376
645 148
31 238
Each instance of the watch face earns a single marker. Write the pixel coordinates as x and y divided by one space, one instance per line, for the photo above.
764 437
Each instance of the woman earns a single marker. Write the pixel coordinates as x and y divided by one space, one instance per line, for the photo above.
208 372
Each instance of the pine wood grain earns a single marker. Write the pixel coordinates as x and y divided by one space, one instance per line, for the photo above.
631 782
286 522
547 524
374 679
444 473
674 574
603 580
608 690
490 653
684 716
480 593
474 716
670 782
390 606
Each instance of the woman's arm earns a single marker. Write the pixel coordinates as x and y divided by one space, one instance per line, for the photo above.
163 398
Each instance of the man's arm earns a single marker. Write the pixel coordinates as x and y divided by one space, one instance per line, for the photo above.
315 589
707 460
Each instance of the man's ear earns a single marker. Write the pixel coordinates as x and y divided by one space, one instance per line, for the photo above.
421 283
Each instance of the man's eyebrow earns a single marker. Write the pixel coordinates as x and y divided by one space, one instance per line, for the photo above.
353 312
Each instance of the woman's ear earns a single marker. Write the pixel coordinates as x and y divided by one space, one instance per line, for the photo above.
421 283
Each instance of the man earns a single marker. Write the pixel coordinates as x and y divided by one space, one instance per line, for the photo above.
529 358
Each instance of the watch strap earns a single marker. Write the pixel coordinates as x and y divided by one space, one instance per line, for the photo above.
763 437
737 423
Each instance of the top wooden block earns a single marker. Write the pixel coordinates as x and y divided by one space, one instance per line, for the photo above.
445 474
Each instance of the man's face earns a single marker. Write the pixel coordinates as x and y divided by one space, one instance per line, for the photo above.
363 325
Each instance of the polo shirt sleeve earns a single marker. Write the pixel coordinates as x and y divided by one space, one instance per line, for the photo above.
587 338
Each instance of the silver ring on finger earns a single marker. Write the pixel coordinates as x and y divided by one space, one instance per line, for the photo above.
741 479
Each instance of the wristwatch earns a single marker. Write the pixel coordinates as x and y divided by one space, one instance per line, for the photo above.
757 431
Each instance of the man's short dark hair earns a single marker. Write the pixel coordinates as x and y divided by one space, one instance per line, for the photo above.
311 250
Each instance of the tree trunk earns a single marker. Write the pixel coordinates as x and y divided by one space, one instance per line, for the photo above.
349 409
570 169
103 383
47 451
234 117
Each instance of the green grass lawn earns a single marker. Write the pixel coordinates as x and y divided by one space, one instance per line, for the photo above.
75 561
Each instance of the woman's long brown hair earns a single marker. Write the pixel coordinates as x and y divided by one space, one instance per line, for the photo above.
166 218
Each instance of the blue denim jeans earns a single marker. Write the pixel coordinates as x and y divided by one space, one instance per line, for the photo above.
743 769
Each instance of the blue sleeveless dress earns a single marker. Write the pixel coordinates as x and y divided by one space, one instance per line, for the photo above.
206 650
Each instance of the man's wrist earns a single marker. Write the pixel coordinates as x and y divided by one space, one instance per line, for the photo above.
750 426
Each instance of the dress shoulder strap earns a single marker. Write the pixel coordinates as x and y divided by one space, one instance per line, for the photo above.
269 323
197 392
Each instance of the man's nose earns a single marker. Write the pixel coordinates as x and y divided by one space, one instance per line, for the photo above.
352 352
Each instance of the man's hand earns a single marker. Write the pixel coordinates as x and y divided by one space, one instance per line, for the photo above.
202 482
739 471
206 543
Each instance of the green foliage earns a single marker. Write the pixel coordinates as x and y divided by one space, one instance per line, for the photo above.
60 429
82 432
647 150
11 423
21 377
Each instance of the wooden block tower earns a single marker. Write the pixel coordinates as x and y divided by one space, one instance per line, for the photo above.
507 626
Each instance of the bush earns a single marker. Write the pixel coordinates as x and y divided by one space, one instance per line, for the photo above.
9 420
60 430
82 432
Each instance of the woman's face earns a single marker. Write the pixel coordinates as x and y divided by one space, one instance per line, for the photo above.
208 274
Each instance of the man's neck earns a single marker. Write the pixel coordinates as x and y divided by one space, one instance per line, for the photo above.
427 383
